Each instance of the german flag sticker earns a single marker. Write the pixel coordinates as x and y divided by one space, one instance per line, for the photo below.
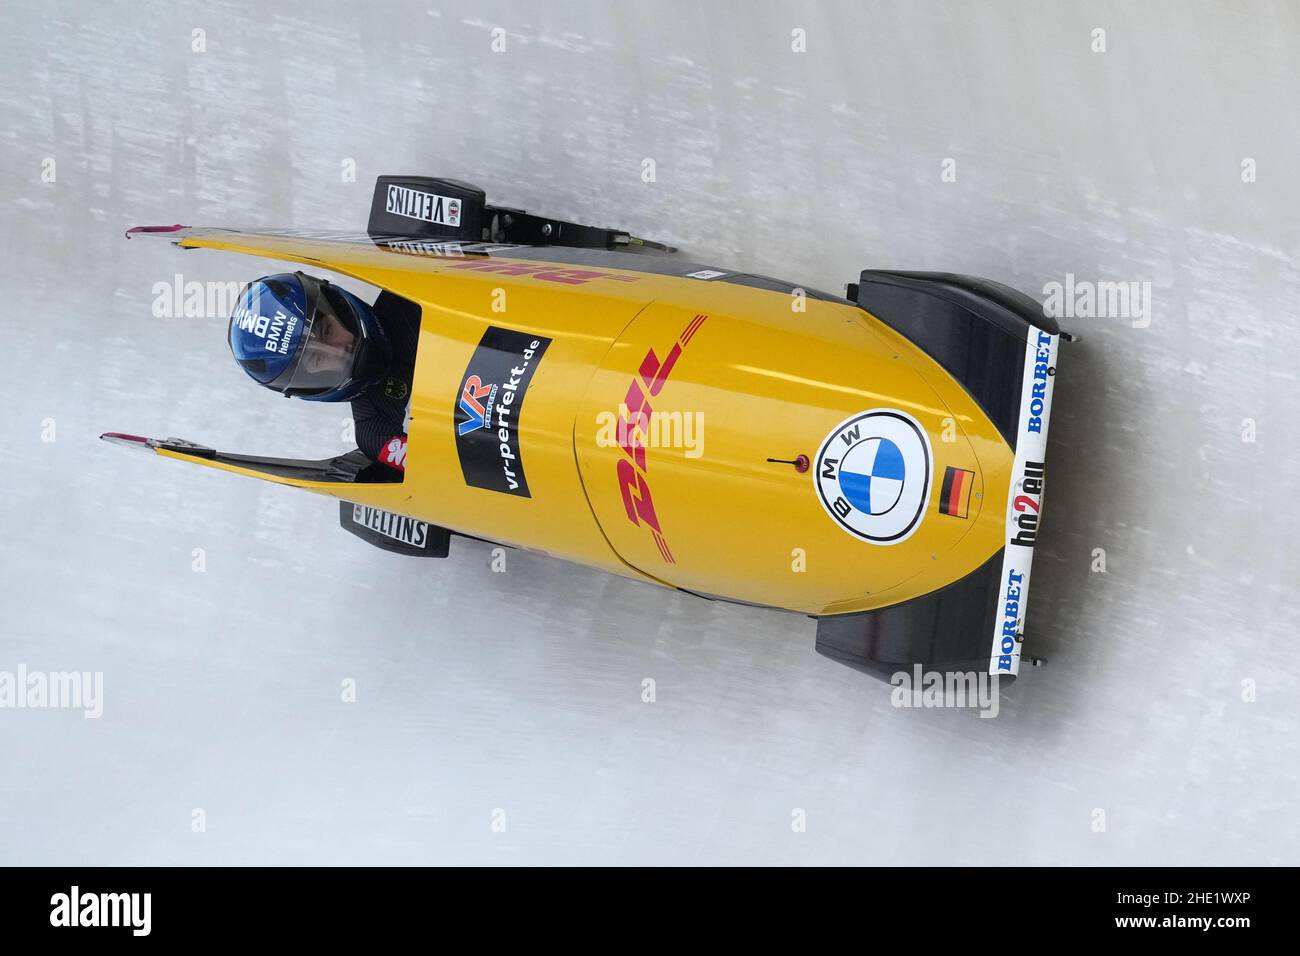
955 499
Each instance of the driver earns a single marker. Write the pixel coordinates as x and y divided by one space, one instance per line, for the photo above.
307 338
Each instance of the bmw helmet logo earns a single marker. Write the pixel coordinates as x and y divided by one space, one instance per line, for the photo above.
873 475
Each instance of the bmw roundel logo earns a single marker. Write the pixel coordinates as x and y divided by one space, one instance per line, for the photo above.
873 475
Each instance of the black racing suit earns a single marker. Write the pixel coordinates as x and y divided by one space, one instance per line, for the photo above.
379 413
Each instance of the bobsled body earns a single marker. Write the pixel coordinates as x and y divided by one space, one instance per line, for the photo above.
736 437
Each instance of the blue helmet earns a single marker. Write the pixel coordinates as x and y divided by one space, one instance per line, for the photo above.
307 338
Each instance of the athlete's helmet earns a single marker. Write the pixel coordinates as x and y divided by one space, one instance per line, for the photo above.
307 338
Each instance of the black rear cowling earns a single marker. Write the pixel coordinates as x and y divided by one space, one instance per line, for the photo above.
974 328
949 630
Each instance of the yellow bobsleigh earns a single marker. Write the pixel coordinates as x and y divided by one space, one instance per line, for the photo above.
874 460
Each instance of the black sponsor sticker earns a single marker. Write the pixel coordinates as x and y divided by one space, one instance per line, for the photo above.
394 532
489 407
398 527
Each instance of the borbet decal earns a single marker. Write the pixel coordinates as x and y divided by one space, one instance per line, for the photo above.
489 407
1024 499
873 475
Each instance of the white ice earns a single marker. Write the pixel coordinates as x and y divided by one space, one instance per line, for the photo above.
1169 702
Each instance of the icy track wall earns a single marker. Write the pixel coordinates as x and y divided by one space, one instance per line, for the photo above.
500 717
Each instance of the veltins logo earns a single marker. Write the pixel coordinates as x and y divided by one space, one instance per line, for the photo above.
873 475
428 207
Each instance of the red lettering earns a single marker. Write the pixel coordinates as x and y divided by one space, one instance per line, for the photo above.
656 375
639 508
628 439
568 276
634 399
631 482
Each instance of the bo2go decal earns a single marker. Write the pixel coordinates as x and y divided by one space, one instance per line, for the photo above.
873 475
489 407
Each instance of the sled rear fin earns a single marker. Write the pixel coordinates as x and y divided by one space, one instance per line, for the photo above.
973 328
327 474
947 630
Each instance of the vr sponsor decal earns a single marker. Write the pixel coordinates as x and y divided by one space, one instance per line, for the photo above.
631 471
476 401
398 527
873 475
427 207
954 499
1024 500
489 408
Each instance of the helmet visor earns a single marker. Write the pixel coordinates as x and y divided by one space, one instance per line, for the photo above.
328 357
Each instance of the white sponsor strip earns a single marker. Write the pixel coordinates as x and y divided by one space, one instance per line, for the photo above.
1024 500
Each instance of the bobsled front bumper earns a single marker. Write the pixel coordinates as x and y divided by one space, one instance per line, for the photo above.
998 346
976 623
1024 500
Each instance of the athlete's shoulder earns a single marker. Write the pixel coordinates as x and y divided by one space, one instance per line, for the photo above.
396 312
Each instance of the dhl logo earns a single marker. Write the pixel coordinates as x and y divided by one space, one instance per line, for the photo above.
633 425
546 272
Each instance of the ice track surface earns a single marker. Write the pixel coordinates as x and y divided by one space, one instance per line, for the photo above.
517 696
